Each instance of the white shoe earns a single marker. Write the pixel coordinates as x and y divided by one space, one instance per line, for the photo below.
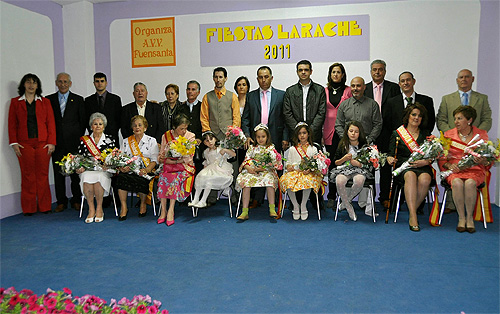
370 213
200 204
89 220
304 215
296 214
352 214
99 219
192 204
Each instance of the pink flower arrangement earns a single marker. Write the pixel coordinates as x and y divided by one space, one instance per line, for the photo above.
62 302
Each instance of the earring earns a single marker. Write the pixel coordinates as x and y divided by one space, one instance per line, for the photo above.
468 123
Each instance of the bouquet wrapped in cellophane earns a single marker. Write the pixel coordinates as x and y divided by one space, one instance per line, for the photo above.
181 147
267 158
235 138
70 163
319 162
369 155
480 148
115 158
432 148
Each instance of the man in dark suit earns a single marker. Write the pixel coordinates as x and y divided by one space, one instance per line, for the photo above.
310 109
397 104
192 107
71 121
381 90
106 103
253 113
141 106
269 113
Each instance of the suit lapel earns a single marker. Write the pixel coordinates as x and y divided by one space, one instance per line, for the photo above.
273 102
473 99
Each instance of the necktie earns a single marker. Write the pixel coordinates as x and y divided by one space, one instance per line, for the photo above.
62 104
409 100
378 95
101 103
265 110
465 100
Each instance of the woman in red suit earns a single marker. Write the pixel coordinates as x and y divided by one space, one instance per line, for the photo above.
464 183
32 135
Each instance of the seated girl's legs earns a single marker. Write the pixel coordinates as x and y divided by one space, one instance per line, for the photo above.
196 197
206 193
246 201
470 201
341 181
457 185
357 185
88 191
411 190
271 199
171 211
143 207
99 194
303 205
122 194
293 199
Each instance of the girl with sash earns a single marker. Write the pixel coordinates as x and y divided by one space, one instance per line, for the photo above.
347 167
176 180
296 179
417 179
464 183
95 183
145 148
254 175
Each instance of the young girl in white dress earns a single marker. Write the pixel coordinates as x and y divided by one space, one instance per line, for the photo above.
217 174
254 174
348 167
296 179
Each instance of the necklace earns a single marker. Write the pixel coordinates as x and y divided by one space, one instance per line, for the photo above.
336 89
464 137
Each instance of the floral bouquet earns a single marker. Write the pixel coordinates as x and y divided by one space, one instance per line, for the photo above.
369 155
235 138
114 159
481 148
268 158
70 163
432 148
318 162
181 147
26 301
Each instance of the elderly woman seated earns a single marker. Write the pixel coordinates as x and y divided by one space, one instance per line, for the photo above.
464 182
145 148
95 183
416 179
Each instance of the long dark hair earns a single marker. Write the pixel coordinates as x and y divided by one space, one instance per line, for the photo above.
344 142
30 76
295 138
329 78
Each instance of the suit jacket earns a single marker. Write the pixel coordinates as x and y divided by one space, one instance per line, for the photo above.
276 122
391 89
446 120
316 108
397 106
18 121
112 111
153 114
194 116
71 126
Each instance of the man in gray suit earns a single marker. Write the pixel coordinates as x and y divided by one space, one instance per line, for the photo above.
465 96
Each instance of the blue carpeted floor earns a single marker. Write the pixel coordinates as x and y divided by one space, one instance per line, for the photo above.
211 264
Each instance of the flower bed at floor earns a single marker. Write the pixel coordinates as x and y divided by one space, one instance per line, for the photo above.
62 302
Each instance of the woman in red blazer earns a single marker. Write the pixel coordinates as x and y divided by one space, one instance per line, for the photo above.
32 135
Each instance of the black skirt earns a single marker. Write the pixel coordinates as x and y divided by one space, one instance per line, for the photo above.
132 183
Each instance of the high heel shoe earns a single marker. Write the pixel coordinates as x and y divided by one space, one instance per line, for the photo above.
415 228
170 222
161 220
122 218
142 214
99 219
89 220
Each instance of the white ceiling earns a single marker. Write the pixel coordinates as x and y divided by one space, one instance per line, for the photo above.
63 2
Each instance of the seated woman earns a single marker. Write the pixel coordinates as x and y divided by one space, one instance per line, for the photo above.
146 148
176 179
296 179
95 183
418 178
464 183
347 167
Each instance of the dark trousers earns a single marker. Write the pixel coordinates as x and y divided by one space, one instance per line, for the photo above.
332 149
385 182
60 182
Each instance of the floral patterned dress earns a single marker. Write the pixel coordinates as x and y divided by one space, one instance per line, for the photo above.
297 180
176 180
257 155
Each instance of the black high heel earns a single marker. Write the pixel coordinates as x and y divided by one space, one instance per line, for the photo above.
122 218
415 228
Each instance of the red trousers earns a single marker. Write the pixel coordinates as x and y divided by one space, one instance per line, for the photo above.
35 190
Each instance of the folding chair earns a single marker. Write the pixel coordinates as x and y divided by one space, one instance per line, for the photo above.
230 192
447 188
114 202
284 201
368 184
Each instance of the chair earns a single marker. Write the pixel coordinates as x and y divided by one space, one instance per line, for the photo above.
195 209
447 188
114 202
368 184
399 188
284 201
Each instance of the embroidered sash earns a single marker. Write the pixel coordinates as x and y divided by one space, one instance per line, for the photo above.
301 151
134 146
92 147
408 139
